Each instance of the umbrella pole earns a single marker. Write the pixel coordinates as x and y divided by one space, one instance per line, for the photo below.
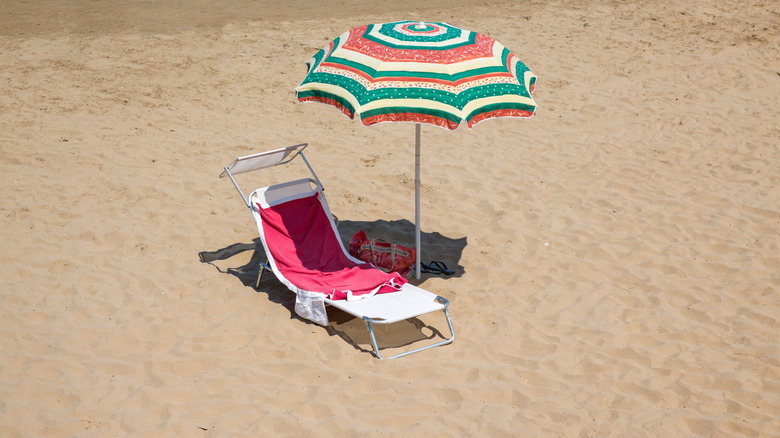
417 198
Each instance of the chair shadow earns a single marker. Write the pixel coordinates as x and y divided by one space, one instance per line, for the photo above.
347 327
248 273
397 335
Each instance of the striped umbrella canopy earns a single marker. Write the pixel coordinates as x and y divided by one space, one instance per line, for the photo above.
421 72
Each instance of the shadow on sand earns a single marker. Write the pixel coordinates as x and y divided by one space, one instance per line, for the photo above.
350 329
435 246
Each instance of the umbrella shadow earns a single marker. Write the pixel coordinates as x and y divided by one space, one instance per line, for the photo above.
435 246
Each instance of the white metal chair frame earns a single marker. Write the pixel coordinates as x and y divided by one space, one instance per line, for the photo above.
377 304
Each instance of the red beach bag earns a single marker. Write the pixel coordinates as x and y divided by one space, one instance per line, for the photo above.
389 257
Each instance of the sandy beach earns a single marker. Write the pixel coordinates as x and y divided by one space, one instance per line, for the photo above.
617 255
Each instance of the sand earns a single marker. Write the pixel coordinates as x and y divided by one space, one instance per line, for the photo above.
617 256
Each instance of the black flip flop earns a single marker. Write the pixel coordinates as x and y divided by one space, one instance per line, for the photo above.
435 267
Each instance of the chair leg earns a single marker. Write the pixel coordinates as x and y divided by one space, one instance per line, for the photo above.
373 338
376 346
263 267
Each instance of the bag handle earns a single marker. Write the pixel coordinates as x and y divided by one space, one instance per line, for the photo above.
392 255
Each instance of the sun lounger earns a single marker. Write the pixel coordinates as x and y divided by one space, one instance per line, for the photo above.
306 254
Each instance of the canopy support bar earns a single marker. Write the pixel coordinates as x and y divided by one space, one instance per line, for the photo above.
244 198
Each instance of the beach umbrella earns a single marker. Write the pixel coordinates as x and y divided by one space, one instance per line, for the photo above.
419 72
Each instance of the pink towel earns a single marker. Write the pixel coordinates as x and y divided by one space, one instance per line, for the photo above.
307 252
